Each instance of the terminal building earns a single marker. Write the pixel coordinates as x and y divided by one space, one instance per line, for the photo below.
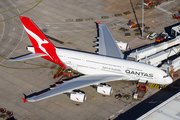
168 110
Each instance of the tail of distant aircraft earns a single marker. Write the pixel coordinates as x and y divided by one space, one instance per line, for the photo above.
42 46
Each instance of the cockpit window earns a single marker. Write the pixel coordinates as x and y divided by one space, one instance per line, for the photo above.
165 76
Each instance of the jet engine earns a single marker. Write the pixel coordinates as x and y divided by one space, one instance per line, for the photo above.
97 46
122 45
104 89
78 96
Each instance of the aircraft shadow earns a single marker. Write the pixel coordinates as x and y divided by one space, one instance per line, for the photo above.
54 39
126 53
48 89
151 102
169 59
20 55
135 17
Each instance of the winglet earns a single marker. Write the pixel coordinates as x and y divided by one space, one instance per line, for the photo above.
24 100
98 22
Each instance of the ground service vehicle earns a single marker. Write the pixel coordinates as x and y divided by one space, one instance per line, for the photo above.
152 36
161 37
141 90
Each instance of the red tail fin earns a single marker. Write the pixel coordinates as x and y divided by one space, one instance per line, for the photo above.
39 41
24 100
98 22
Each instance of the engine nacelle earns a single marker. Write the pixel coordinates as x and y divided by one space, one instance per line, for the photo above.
96 46
78 97
97 51
104 89
97 42
122 45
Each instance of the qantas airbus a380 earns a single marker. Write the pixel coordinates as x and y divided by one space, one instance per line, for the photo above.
108 65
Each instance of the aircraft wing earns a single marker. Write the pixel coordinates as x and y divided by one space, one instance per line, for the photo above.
107 44
75 83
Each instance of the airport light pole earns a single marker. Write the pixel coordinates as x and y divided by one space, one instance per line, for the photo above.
142 29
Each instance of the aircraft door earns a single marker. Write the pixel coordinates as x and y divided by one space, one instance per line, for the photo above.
74 66
155 78
67 61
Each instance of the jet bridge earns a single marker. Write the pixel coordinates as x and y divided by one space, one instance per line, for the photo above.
156 59
142 53
172 66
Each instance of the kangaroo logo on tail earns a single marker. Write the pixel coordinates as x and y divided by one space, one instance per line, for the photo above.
39 41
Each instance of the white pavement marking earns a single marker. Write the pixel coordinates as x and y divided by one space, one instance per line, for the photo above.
3 28
113 25
55 27
163 4
15 47
2 50
19 41
166 3
10 40
163 10
14 29
14 6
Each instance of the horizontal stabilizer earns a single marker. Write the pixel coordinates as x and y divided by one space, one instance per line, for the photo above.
27 56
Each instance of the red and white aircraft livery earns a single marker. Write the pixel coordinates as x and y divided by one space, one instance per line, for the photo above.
108 65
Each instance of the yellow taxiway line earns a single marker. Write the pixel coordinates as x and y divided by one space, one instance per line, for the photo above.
20 7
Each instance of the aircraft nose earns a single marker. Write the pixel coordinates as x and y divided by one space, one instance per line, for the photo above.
169 80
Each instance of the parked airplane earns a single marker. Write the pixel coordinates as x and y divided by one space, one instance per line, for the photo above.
108 65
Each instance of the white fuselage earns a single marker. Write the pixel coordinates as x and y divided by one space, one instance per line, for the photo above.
89 63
